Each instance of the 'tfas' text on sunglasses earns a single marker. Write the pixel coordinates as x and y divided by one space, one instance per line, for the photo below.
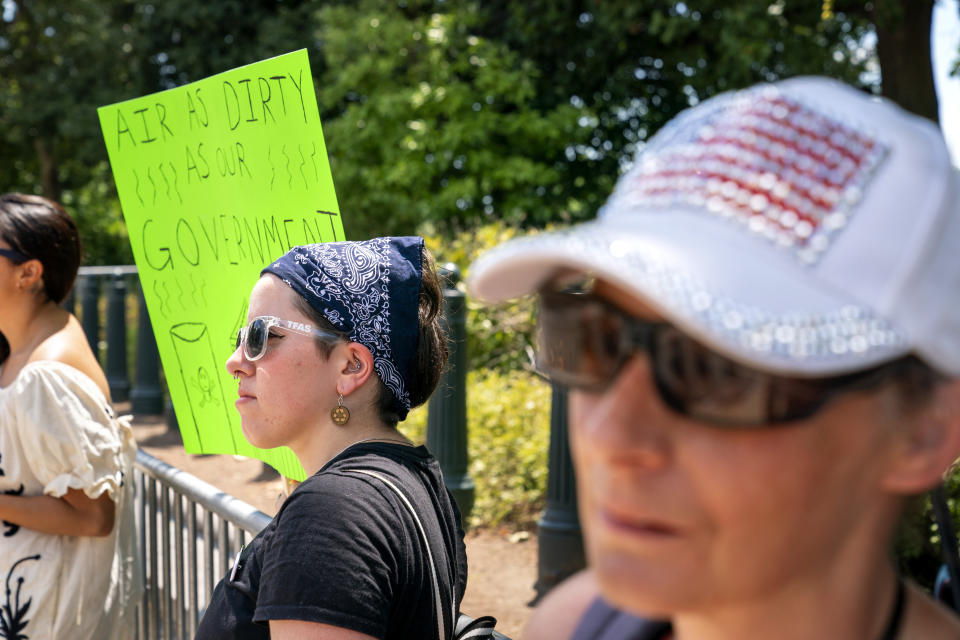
255 336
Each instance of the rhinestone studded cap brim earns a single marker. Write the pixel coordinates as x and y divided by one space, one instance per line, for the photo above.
836 339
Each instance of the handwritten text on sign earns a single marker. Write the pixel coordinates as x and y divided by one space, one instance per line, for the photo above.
217 179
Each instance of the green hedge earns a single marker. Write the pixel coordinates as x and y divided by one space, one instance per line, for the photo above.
508 418
499 337
917 545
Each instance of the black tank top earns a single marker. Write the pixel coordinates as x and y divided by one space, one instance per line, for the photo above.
603 622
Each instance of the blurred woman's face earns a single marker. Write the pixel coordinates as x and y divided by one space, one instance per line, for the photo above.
682 515
286 393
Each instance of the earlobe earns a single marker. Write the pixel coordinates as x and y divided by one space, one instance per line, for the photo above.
930 445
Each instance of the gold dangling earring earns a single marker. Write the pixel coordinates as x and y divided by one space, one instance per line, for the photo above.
340 414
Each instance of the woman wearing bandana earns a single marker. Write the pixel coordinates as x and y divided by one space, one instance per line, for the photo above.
342 340
68 562
761 336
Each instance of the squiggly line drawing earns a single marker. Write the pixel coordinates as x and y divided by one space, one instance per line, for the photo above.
165 181
196 289
163 298
273 169
153 184
313 159
283 150
156 292
203 291
303 163
176 187
193 290
137 188
180 298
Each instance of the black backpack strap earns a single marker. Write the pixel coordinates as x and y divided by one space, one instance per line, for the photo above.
480 628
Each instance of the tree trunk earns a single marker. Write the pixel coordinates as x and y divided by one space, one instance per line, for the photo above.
49 170
903 47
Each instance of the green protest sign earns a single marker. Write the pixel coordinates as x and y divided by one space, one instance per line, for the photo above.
216 179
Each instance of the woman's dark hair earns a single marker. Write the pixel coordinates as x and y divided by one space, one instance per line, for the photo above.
915 380
40 229
432 352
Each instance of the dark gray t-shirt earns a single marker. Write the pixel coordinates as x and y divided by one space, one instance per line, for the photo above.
604 622
343 550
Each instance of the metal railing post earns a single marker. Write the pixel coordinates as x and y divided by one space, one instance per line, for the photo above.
447 408
147 395
560 542
176 553
116 372
89 306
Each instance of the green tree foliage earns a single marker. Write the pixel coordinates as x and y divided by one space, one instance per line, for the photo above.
631 65
453 112
427 121
58 63
499 337
185 40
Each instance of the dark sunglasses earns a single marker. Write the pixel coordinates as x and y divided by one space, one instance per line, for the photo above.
584 342
13 255
254 336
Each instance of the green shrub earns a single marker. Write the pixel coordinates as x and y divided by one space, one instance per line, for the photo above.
508 418
918 539
500 336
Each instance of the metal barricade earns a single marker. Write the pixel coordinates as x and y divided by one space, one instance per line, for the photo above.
189 532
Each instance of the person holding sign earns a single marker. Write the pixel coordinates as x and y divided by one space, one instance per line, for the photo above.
67 543
342 340
761 338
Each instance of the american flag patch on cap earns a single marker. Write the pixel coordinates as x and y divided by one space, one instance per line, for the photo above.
784 170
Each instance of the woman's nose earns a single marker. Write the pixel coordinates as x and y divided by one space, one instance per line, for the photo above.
626 423
236 362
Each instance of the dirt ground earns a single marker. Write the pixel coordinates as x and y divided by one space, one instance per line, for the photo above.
503 566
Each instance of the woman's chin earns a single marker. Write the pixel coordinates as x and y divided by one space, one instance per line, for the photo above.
646 589
253 435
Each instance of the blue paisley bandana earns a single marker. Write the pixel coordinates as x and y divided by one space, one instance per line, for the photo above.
369 291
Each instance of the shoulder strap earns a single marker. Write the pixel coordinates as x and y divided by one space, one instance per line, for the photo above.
466 628
441 628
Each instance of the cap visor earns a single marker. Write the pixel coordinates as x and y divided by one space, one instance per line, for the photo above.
737 293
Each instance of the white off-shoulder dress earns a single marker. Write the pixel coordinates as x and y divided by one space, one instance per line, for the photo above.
59 432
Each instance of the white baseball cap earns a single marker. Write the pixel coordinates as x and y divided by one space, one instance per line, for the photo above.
802 228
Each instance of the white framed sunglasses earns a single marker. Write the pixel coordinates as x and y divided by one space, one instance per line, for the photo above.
254 336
